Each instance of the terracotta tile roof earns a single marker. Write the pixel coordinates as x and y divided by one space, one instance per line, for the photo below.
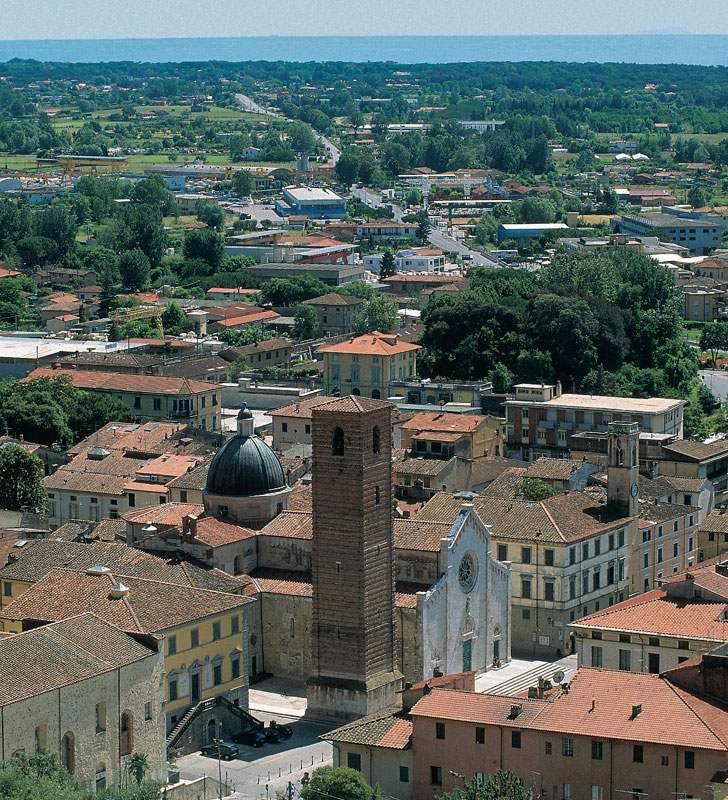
414 534
231 353
405 600
196 478
302 408
715 522
169 466
70 532
280 581
563 518
140 486
436 436
444 422
82 647
334 299
196 367
353 404
110 530
669 714
150 606
662 512
301 497
560 469
39 557
657 614
126 436
164 514
290 524
504 486
217 532
697 450
488 469
376 343
118 382
393 731
231 321
686 484
407 464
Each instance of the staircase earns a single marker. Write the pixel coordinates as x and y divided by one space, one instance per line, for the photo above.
521 683
207 705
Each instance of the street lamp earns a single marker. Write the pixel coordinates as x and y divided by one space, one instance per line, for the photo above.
218 742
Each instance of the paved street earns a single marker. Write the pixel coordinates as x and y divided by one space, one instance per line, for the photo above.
447 243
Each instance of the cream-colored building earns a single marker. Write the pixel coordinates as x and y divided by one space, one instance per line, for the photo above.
366 365
87 691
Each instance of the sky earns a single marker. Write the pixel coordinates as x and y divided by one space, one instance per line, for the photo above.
117 19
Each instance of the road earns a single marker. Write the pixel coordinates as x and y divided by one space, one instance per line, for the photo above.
270 767
447 243
254 108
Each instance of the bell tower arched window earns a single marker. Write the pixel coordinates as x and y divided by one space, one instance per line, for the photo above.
337 444
375 440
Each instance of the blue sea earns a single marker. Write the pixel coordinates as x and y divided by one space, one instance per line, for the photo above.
705 50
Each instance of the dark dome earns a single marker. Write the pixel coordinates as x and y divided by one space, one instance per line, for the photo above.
245 466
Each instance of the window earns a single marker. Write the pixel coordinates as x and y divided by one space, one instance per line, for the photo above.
548 556
585 551
621 538
404 774
659 555
126 734
646 559
214 399
625 660
567 791
502 552
147 711
100 717
137 402
625 638
597 547
353 761
597 750
439 730
7 589
572 555
202 404
41 733
195 637
234 625
611 541
567 746
157 403
235 667
665 761
516 740
525 588
689 759
638 753
182 495
284 427
436 776
216 674
596 579
549 591
131 500
307 428
375 440
68 751
479 735
683 644
215 631
572 588
171 645
675 549
526 555
596 793
548 748
337 443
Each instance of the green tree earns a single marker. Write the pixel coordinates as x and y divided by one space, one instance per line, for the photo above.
305 321
289 292
107 298
153 191
341 783
21 479
211 214
174 319
240 364
92 411
534 489
378 314
243 183
134 269
502 378
300 137
347 167
714 338
697 197
138 766
413 197
423 225
388 268
57 223
207 246
502 785
143 228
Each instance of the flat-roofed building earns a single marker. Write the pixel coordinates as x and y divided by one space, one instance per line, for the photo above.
315 203
699 235
541 421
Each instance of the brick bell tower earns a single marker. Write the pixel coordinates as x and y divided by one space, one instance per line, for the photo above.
353 663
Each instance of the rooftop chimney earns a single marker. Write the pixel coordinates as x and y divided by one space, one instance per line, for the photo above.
636 710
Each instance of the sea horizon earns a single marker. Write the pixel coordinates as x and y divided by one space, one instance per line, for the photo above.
655 48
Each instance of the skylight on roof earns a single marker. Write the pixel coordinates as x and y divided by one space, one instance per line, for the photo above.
151 427
132 428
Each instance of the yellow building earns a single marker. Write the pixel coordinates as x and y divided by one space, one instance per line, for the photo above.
366 365
443 435
204 630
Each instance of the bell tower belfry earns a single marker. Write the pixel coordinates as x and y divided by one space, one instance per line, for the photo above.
353 634
623 467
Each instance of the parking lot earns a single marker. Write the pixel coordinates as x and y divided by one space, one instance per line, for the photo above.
261 771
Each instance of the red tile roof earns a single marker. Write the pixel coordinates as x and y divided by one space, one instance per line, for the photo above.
444 422
118 382
376 343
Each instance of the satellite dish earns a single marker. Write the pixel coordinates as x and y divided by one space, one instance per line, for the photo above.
558 676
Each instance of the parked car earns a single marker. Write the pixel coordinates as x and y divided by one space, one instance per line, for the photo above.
227 750
251 737
277 733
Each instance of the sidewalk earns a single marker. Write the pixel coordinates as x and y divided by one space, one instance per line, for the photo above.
278 696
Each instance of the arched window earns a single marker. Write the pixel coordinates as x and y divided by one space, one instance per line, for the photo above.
375 439
239 565
68 751
376 394
211 731
356 391
100 777
377 495
126 734
337 445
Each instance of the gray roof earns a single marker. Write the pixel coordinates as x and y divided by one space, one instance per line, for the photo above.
245 466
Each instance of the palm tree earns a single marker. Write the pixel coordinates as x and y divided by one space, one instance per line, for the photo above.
138 766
